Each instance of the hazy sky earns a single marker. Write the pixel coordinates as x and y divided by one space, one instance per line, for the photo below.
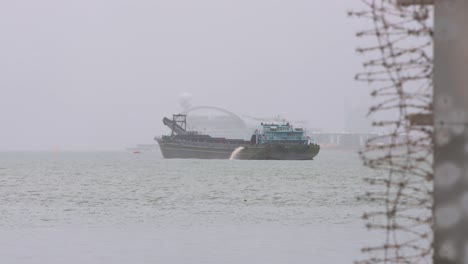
101 74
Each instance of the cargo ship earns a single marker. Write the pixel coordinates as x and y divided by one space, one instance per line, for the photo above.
183 144
272 142
278 142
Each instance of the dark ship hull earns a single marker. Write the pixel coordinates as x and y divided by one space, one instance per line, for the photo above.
185 150
278 152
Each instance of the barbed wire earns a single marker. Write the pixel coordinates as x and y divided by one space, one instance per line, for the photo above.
399 67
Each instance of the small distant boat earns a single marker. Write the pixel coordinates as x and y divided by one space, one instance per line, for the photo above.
279 142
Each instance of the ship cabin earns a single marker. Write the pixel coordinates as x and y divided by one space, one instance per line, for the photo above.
279 134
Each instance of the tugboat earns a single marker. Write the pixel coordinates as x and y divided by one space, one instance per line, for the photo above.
183 144
278 142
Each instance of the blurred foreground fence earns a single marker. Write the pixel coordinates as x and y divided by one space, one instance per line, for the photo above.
399 66
427 121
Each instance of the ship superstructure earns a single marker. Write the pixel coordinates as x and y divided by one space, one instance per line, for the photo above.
280 134
279 142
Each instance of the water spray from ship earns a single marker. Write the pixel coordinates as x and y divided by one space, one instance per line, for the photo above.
235 153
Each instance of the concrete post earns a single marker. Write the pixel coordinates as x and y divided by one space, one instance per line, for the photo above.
450 129
450 132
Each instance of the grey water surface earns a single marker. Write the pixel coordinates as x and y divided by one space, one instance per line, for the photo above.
117 207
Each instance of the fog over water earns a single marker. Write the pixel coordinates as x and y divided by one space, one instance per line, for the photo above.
100 75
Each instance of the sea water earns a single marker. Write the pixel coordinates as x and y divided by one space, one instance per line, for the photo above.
112 207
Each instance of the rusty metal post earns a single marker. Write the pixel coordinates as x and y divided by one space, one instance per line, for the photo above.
450 132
